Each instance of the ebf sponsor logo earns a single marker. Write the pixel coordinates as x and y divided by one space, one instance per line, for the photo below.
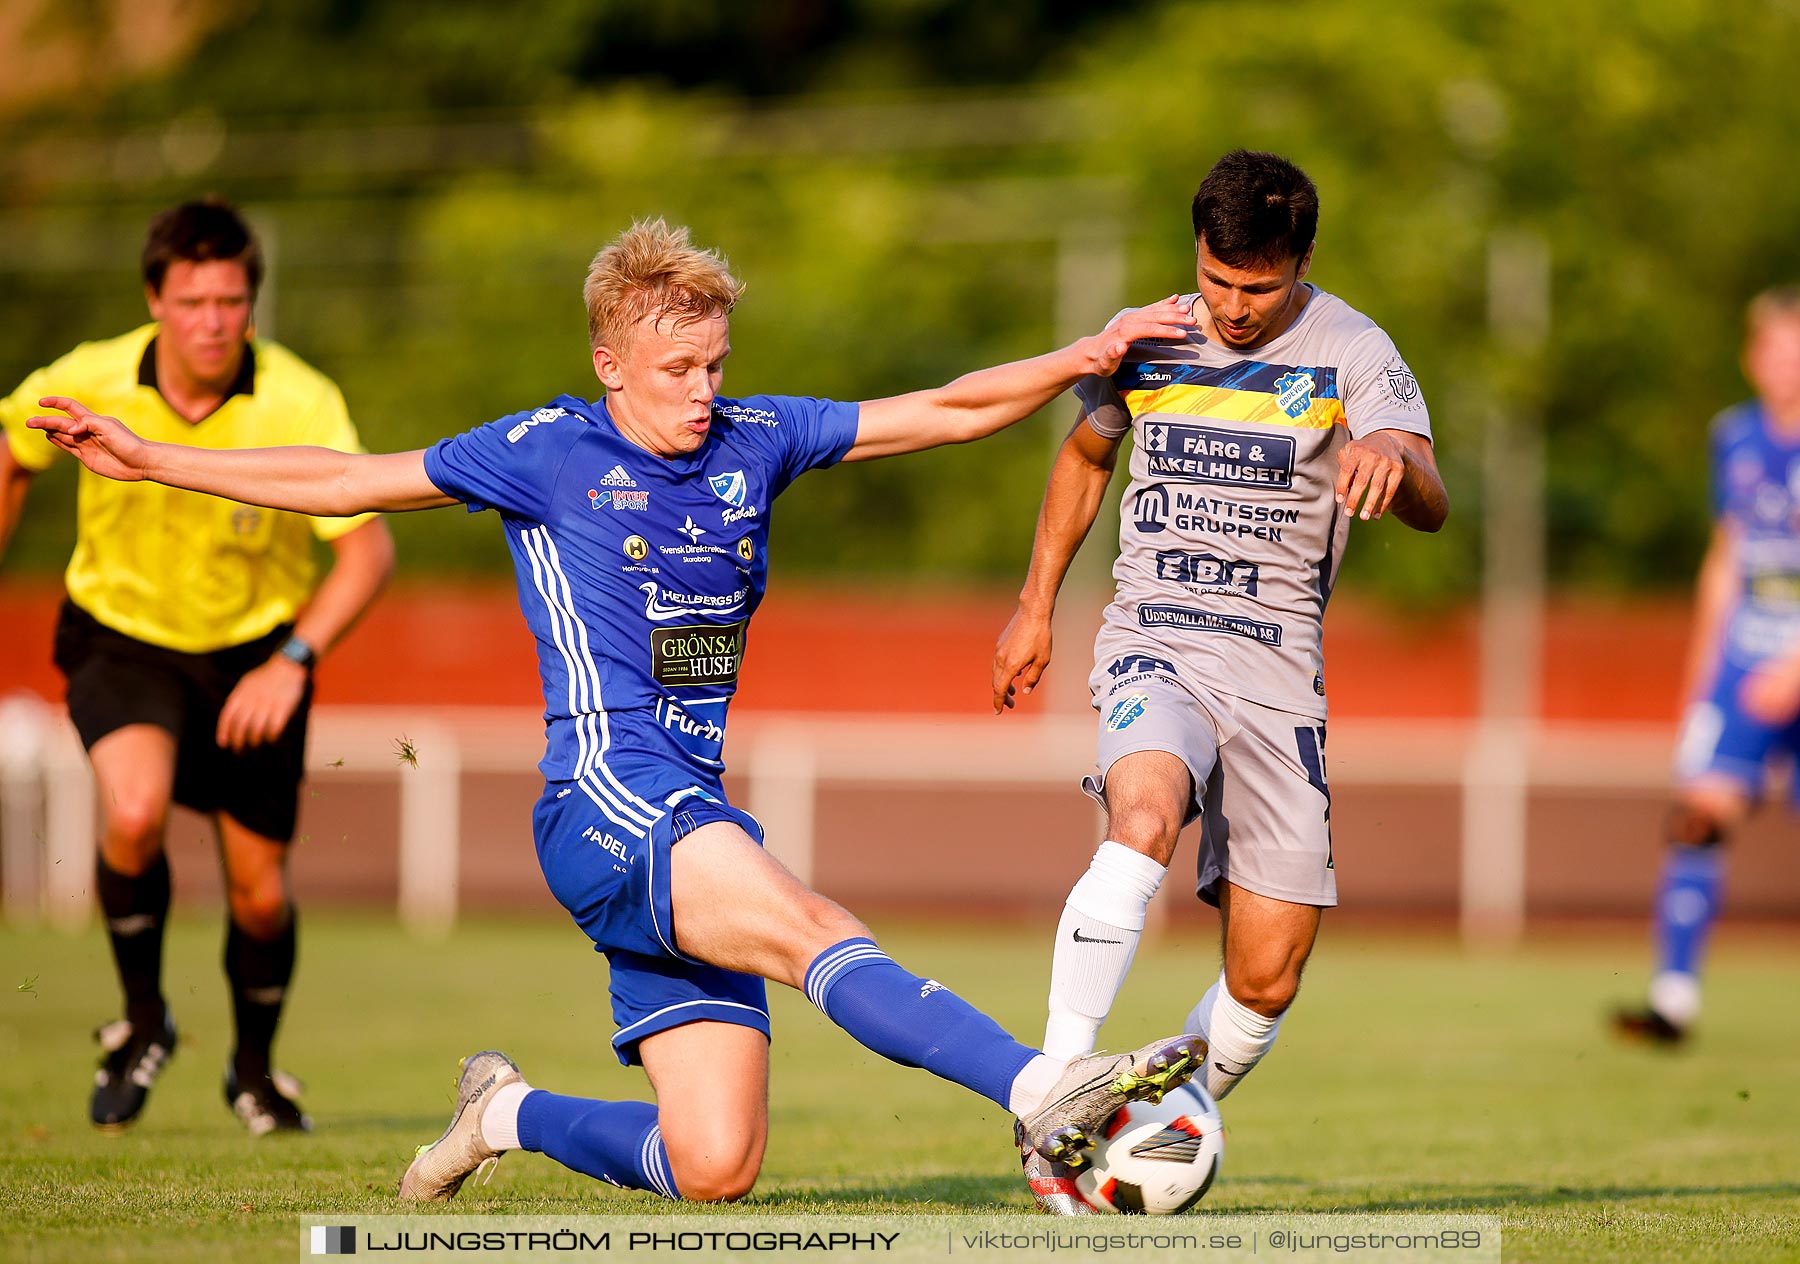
1207 572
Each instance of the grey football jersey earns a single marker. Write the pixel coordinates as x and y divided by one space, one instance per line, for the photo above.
1230 535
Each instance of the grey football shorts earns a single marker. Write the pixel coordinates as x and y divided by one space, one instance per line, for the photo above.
1259 783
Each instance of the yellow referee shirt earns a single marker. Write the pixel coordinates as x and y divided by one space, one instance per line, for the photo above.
176 568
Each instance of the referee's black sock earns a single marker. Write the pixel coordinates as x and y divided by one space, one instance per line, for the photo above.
259 970
136 907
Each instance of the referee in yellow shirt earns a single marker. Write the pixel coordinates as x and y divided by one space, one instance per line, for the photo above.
189 637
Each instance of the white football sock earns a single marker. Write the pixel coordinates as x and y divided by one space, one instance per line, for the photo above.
1095 942
1033 1084
1676 996
500 1121
1237 1037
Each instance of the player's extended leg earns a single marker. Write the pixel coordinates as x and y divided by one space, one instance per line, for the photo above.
736 906
260 940
702 1140
1266 945
1149 794
1687 904
134 767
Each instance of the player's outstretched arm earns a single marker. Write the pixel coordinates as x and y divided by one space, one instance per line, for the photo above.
1084 464
317 481
1393 469
980 403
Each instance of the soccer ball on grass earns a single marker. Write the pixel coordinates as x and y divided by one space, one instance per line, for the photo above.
1157 1158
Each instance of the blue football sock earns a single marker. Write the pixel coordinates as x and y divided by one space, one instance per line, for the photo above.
913 1021
1686 905
617 1142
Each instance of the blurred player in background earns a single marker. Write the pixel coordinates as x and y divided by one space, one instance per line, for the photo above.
1743 677
639 527
1282 417
189 637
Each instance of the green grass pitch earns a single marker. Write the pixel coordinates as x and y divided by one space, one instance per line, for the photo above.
1413 1076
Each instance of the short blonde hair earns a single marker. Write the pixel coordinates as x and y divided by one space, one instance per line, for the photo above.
651 269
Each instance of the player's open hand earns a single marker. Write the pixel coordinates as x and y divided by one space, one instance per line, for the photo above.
103 444
1171 319
1020 658
259 708
1370 471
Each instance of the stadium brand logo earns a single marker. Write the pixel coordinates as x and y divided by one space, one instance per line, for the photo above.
661 604
617 477
1153 375
1152 509
333 1239
538 418
699 655
1294 392
1126 712
1401 384
729 487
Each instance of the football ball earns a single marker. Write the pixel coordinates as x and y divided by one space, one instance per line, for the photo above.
1157 1159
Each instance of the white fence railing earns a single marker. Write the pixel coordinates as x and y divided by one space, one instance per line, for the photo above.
47 809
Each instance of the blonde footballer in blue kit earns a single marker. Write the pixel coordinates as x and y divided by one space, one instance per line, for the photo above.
1259 438
639 528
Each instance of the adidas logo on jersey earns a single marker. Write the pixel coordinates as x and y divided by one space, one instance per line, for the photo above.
617 477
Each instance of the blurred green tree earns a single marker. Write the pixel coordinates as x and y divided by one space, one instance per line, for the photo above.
901 182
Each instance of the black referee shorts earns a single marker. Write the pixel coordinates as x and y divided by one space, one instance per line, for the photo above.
115 680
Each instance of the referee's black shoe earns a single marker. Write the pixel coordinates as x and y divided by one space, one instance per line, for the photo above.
130 1061
266 1103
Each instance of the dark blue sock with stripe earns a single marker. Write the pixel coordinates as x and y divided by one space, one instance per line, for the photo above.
617 1142
913 1021
1686 905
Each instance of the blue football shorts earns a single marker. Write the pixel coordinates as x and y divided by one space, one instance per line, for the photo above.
1719 741
604 848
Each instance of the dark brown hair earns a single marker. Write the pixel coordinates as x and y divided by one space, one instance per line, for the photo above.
1256 209
200 232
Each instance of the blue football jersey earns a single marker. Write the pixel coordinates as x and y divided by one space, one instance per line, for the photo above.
638 574
1756 489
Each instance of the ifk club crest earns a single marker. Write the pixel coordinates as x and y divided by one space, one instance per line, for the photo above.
729 487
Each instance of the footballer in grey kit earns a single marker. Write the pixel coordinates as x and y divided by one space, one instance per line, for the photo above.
1284 416
1230 538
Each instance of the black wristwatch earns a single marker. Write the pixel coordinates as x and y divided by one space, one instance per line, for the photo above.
297 651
